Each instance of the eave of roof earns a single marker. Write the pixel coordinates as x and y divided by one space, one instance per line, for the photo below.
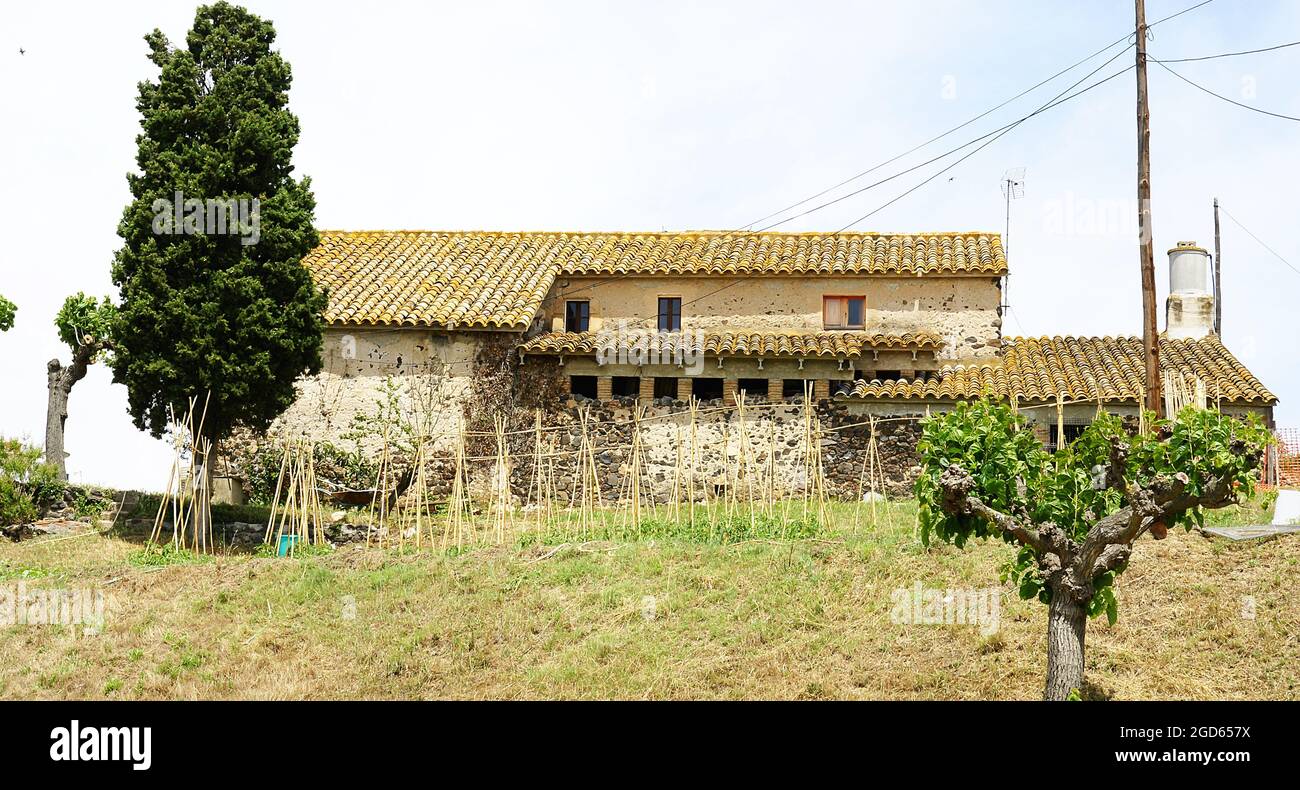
845 345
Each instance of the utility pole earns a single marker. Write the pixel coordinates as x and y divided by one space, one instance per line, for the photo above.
1150 339
1218 282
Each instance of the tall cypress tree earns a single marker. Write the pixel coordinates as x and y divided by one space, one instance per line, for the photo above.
215 304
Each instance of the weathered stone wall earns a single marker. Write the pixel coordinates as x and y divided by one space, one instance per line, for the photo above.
476 377
766 443
962 310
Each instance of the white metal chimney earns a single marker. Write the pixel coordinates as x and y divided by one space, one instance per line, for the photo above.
1189 311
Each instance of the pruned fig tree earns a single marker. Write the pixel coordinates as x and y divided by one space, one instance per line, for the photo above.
1075 514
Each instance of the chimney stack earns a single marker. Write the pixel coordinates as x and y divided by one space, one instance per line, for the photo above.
1189 311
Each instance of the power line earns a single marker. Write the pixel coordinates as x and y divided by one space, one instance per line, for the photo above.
934 139
1225 98
998 132
1016 317
1054 102
1258 239
878 209
1058 100
958 127
1178 13
1225 54
995 134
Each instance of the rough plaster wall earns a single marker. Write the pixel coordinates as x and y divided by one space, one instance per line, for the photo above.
358 364
962 310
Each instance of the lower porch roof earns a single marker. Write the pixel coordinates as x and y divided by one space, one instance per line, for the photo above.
1079 369
830 345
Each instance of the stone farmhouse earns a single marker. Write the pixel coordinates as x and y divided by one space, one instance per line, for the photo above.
869 323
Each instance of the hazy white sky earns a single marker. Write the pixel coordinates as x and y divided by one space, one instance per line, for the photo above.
676 115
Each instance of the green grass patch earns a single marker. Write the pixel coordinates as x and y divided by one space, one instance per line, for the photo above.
297 552
703 525
162 554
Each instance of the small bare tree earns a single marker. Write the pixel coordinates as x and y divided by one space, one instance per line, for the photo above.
1076 513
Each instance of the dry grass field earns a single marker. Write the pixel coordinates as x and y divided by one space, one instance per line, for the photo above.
653 618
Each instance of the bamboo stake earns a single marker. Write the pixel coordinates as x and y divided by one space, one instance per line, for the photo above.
501 480
634 485
1142 411
771 468
275 500
744 461
675 499
536 486
1060 423
693 405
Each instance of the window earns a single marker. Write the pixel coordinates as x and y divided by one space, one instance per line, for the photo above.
794 388
1072 432
888 375
753 388
707 389
577 316
584 386
625 387
665 387
670 314
844 312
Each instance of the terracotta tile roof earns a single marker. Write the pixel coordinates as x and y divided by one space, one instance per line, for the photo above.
419 278
1079 368
727 253
499 279
767 344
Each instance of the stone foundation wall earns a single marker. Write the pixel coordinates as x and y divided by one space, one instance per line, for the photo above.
766 443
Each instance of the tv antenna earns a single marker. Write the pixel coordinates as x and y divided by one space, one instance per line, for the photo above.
1013 188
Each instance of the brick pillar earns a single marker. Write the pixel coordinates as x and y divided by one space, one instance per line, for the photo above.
683 389
907 375
1042 434
647 392
568 384
775 388
729 392
821 389
604 388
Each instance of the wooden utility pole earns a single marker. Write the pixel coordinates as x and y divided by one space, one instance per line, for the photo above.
1218 283
1150 338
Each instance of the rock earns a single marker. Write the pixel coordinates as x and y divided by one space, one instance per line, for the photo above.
18 532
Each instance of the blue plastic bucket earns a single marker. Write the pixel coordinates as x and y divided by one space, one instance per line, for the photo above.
287 542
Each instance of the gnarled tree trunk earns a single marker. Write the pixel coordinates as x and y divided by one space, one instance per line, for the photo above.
1067 619
60 381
